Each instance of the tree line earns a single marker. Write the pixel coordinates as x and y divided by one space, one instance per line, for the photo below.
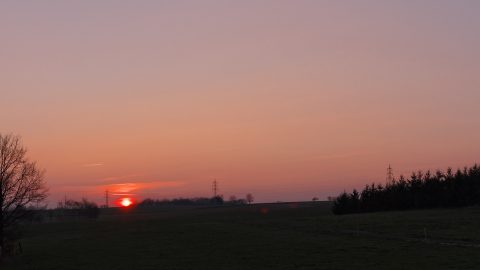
152 203
199 201
72 208
420 190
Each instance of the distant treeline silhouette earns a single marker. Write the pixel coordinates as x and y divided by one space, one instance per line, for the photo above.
150 203
421 190
71 208
200 201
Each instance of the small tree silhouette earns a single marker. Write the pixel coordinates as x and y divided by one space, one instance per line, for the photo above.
249 198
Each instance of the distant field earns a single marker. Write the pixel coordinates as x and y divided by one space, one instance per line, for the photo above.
264 236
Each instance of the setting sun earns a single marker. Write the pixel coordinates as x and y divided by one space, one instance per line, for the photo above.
126 202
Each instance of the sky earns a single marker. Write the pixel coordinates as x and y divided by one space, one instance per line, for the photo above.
287 100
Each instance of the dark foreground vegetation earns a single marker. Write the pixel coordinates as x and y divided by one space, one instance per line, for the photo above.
261 236
421 190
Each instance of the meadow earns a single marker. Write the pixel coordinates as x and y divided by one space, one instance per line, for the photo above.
260 236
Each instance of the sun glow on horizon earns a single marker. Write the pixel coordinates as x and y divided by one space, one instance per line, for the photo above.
126 202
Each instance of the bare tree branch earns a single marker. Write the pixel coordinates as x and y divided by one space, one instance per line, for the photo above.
21 184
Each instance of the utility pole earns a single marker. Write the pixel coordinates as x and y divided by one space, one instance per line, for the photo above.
215 188
390 178
106 198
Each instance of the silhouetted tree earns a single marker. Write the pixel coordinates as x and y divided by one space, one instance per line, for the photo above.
21 185
249 198
421 190
340 205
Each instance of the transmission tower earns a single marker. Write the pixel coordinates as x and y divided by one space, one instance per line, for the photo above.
390 179
215 188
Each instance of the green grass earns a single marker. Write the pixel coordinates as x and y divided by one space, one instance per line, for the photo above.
270 236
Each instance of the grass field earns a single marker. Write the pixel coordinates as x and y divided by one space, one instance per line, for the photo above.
263 236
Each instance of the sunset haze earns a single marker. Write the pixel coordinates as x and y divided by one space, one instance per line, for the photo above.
286 100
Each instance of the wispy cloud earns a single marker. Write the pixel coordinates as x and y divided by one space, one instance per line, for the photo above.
129 187
122 189
92 164
117 179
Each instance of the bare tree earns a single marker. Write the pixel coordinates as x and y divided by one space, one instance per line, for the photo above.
21 185
249 198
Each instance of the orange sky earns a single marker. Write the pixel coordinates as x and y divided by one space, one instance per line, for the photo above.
284 99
